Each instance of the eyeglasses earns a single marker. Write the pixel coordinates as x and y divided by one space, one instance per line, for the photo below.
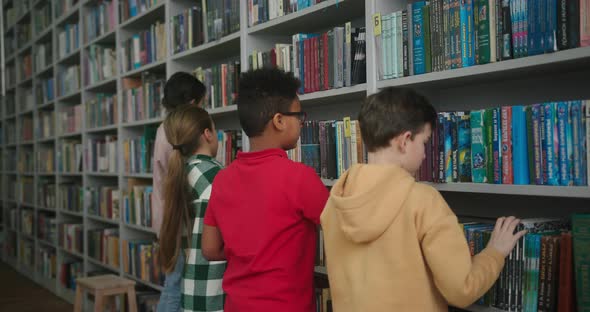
302 116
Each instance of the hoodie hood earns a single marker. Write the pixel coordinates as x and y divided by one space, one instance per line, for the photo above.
368 198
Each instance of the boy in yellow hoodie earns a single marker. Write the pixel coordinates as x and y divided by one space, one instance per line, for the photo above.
393 244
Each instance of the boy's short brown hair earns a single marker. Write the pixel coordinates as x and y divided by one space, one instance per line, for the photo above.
391 112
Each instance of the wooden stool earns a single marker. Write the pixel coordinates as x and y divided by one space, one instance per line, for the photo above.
105 286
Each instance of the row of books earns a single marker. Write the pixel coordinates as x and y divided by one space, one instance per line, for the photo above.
68 80
43 56
47 228
103 202
27 217
71 237
99 20
46 195
142 97
222 82
102 110
64 6
69 119
100 64
330 147
25 67
207 21
26 99
70 197
101 154
230 143
145 47
439 35
26 130
17 10
24 34
132 8
138 152
46 124
260 11
26 253
103 245
10 132
140 259
42 18
542 144
23 188
137 203
44 90
68 40
70 156
540 272
46 159
26 161
47 264
68 273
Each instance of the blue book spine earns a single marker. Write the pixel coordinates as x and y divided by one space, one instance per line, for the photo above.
441 147
551 33
418 33
584 142
562 122
520 155
464 143
570 144
301 53
478 147
576 116
497 145
531 27
448 148
551 144
467 54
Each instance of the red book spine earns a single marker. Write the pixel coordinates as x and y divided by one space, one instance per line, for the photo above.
327 66
306 65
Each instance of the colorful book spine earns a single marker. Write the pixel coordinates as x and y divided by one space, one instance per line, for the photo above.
536 118
497 145
448 148
576 116
419 56
551 170
464 146
478 147
562 126
507 172
520 140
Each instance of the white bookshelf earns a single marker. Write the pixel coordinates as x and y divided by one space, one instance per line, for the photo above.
529 79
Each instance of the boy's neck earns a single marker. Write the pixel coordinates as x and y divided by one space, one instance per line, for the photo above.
261 143
384 157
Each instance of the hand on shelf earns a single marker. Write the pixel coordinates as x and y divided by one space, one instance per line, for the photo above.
503 237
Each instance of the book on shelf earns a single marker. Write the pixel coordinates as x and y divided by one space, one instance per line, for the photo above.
23 34
322 61
70 156
138 151
25 67
68 79
25 161
68 39
204 22
103 202
46 193
143 48
26 253
10 75
10 45
42 18
438 35
10 244
101 110
101 154
100 63
64 6
45 159
263 11
10 102
137 203
13 219
26 128
12 189
11 133
26 100
330 147
47 263
44 90
142 97
140 259
43 56
99 20
47 227
540 144
71 197
69 271
69 119
230 143
221 82
70 237
131 8
24 186
27 217
103 246
46 124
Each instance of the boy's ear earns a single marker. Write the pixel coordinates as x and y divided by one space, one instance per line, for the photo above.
278 122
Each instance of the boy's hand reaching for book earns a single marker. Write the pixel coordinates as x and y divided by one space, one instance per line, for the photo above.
503 237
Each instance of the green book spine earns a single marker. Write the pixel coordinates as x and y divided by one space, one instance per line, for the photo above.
483 32
581 244
478 147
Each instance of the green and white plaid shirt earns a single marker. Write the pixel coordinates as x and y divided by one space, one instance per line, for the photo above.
202 279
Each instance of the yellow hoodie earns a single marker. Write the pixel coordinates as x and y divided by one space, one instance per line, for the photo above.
394 245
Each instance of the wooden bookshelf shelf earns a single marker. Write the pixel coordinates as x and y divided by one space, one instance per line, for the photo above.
46 243
69 16
108 38
47 70
103 265
70 58
109 84
71 135
71 252
108 128
44 34
72 213
508 189
150 15
222 46
142 123
102 174
74 96
103 220
46 140
155 66
139 175
140 228
334 96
